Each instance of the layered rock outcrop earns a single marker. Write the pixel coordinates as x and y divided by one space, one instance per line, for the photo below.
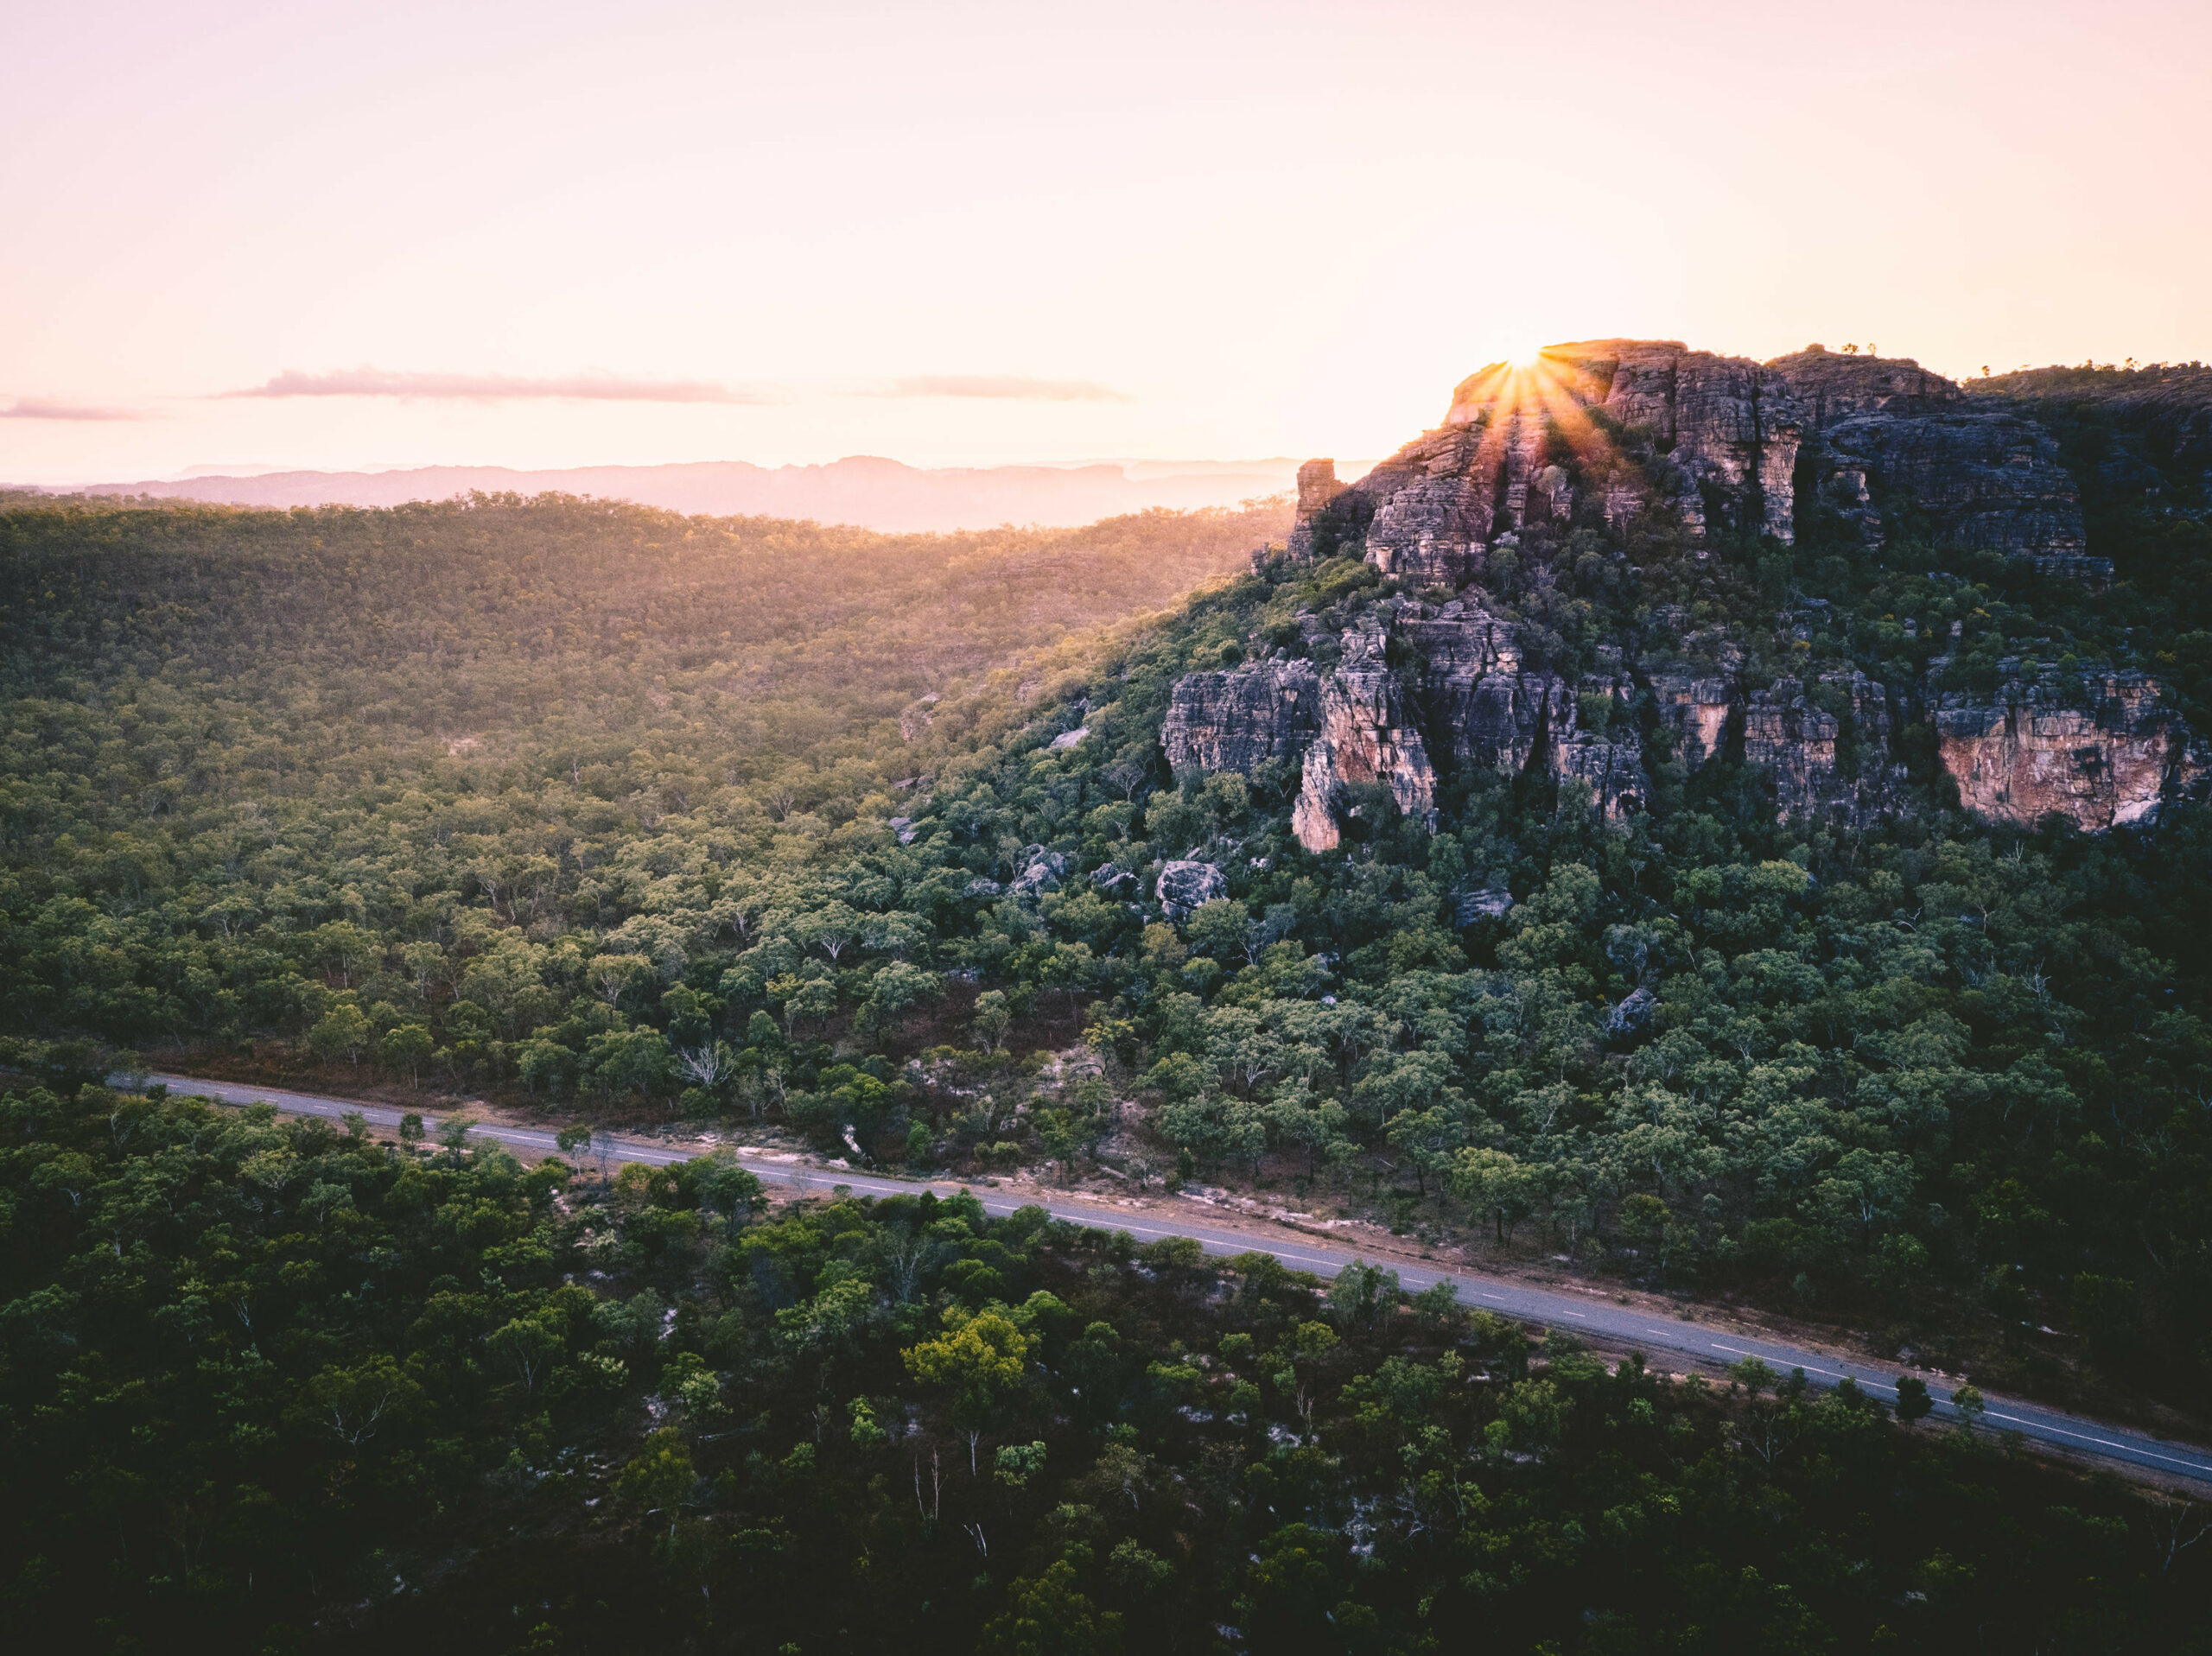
1887 437
2101 749
1728 427
1185 885
1826 767
1243 719
1988 481
1414 686
1731 425
1367 736
1830 386
1317 488
1474 696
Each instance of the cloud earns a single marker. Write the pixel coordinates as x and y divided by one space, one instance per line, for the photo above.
37 407
596 388
1010 387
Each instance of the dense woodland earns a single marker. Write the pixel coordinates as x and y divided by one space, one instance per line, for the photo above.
637 817
275 1386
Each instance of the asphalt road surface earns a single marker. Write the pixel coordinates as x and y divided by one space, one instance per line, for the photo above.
1600 1319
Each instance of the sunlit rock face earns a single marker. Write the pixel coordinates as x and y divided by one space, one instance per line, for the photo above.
1728 427
1728 423
1696 714
1317 488
2103 752
1432 679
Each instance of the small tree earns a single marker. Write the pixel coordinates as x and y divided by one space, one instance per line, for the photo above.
1913 1402
993 1017
1016 1464
1362 1296
660 1476
571 1142
1490 1182
353 1404
611 975
529 1345
404 1048
980 1361
341 1032
1968 1404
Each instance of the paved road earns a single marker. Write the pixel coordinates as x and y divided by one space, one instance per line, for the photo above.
1599 1318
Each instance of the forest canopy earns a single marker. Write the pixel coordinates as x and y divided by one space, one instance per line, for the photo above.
858 840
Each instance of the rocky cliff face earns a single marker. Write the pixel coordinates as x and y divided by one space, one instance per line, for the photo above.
1367 735
1241 719
1731 425
1983 480
2103 752
1441 681
1888 437
1728 427
1830 386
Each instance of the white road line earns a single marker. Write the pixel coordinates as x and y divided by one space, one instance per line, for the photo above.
2199 1467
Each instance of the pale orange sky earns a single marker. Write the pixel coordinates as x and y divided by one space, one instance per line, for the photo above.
551 233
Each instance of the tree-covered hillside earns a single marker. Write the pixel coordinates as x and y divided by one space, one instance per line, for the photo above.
1941 1080
607 812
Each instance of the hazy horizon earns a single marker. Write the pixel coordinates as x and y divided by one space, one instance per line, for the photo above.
326 235
869 492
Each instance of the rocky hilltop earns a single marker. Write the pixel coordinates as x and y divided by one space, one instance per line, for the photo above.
1604 442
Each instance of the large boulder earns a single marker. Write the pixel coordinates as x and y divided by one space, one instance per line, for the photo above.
1041 870
1184 886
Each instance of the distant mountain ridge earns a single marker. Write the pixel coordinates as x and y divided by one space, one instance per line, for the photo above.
865 490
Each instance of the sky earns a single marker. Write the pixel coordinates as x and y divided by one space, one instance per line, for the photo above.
541 234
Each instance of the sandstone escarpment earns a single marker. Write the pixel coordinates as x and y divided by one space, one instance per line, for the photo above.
1988 481
1239 720
1887 438
1831 386
1595 433
1367 736
1727 427
1697 715
2101 749
1317 488
1612 770
1731 425
1482 707
1819 772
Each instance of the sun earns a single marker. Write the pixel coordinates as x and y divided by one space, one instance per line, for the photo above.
1518 347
